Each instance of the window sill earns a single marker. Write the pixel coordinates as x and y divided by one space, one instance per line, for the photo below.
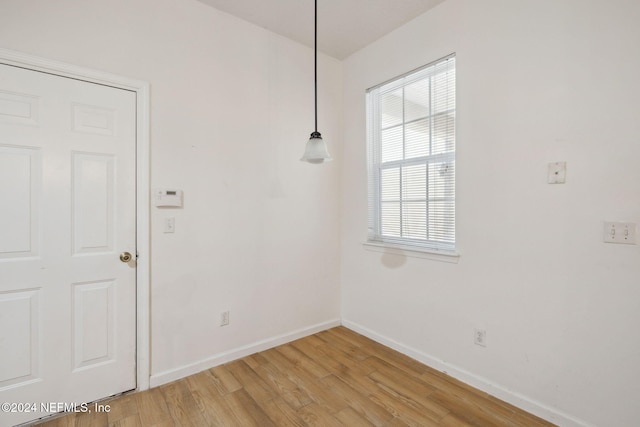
410 251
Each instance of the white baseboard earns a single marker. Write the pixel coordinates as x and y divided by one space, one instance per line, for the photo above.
237 353
523 402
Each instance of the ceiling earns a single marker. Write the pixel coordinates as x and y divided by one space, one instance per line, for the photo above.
344 26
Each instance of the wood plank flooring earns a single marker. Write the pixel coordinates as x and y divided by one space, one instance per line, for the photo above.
333 378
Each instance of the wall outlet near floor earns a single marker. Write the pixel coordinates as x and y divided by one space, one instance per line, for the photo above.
480 337
224 318
557 173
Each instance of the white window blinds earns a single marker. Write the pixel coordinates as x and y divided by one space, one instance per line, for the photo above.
411 158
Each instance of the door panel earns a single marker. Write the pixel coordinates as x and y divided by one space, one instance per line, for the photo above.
93 311
19 215
18 108
19 361
93 204
67 210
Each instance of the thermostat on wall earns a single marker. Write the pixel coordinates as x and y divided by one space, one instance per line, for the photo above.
167 198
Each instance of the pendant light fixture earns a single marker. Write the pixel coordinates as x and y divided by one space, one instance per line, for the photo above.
316 149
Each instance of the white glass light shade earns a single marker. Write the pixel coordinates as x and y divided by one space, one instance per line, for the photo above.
316 150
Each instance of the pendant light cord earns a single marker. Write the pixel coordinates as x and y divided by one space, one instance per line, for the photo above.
315 59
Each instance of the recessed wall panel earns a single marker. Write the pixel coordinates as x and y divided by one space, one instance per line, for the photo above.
93 323
19 343
93 203
95 120
20 197
18 108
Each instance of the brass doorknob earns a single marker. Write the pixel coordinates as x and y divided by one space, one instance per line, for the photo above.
125 257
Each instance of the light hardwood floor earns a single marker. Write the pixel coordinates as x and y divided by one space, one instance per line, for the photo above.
333 378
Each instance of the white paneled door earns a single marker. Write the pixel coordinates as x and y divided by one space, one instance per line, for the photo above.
67 217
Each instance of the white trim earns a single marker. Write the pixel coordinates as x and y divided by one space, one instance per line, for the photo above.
411 251
237 353
525 403
142 180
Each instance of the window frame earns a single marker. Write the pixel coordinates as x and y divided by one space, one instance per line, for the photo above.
376 240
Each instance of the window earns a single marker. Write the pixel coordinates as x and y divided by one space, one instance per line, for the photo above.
411 158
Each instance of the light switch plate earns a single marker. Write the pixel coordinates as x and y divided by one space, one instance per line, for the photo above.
557 173
620 232
170 224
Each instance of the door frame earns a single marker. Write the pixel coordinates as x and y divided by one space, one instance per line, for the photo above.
141 88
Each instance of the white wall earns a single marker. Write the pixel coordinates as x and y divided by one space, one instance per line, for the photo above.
538 82
231 110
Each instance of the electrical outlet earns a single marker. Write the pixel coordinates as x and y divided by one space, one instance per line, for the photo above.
224 318
480 337
557 173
